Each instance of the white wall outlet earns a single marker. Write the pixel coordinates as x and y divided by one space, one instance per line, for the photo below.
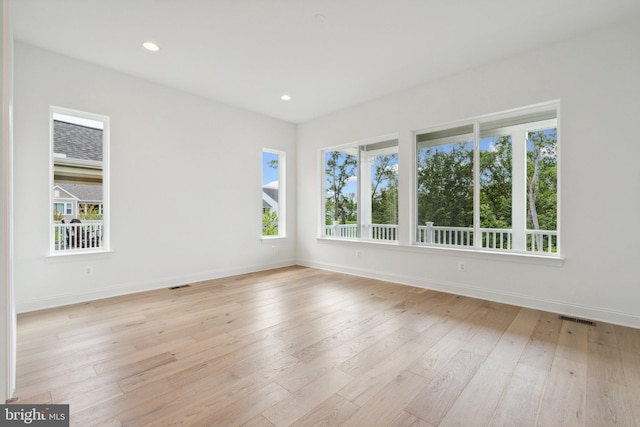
88 270
461 266
358 253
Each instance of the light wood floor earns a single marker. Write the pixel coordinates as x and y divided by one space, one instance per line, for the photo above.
305 347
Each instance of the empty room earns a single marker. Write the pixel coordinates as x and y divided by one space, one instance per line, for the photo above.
320 213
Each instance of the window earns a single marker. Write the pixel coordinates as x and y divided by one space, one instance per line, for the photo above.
273 190
79 148
63 209
361 191
490 185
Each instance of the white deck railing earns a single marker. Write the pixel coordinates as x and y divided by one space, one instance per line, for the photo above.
74 236
429 234
385 232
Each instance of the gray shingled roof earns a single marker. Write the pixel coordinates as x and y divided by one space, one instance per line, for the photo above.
76 141
271 192
84 192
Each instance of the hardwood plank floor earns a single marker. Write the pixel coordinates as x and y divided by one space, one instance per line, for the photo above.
305 347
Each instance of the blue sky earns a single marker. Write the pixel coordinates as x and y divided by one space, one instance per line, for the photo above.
269 174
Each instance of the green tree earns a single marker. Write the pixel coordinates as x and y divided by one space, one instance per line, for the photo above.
269 223
445 185
542 181
384 190
496 184
339 168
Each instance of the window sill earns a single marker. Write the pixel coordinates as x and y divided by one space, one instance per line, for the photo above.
517 257
76 254
272 237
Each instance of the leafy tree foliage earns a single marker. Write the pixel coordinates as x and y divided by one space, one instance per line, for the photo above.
384 190
269 223
445 185
339 168
542 180
496 183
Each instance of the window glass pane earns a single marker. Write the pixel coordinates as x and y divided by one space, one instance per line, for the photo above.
379 213
270 193
341 193
496 191
78 173
445 191
542 190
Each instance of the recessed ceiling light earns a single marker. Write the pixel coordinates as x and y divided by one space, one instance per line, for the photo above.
151 46
286 97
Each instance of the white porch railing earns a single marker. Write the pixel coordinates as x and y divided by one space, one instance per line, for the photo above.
429 234
386 232
542 240
347 231
73 236
490 238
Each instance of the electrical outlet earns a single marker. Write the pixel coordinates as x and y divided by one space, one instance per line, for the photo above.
358 253
88 271
461 266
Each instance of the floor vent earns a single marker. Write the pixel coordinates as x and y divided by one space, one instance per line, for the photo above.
179 287
575 319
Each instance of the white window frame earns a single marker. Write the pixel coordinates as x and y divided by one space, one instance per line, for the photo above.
282 191
362 225
106 244
519 168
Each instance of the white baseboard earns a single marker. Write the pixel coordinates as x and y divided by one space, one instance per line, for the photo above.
560 307
134 287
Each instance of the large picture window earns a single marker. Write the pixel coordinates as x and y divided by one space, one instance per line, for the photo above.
361 191
79 147
490 185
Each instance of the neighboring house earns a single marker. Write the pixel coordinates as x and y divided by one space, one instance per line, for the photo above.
74 200
269 199
77 170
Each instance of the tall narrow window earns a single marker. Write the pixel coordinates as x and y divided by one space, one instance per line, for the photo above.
379 164
361 191
79 181
341 193
445 187
273 211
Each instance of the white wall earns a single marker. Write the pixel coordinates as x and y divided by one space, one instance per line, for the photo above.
186 196
596 78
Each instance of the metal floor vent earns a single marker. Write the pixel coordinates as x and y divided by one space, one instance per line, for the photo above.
179 287
576 320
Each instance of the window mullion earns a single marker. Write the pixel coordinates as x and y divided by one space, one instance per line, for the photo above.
519 190
477 235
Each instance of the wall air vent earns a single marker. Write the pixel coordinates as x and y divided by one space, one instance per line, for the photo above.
576 320
179 287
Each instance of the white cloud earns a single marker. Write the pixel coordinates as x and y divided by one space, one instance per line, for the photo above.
272 184
353 178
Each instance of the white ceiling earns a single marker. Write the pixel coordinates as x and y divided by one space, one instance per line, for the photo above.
327 54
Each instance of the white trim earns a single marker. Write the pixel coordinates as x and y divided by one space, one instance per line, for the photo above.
141 286
561 307
8 318
356 146
90 118
281 203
